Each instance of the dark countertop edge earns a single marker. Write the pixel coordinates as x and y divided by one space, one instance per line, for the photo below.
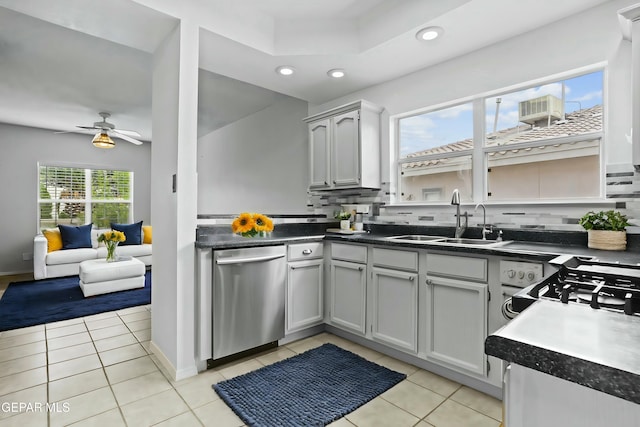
256 242
530 250
606 379
382 240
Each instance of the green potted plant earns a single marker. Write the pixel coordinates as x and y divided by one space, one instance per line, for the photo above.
344 220
606 229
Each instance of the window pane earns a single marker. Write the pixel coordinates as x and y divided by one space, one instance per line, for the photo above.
434 180
110 185
447 130
563 108
103 214
559 171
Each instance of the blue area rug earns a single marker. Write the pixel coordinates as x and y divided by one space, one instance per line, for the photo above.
311 389
50 300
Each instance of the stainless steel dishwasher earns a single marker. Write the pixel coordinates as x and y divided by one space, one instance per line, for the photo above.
248 298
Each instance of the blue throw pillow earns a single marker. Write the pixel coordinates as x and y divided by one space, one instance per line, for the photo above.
74 237
132 232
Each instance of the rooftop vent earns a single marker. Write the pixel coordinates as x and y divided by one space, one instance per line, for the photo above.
546 107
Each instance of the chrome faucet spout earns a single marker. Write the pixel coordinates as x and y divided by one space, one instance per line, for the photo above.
455 200
485 230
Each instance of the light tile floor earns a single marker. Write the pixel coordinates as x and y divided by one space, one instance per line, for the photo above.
98 371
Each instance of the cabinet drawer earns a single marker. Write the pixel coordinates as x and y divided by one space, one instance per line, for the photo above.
457 266
352 253
395 259
300 251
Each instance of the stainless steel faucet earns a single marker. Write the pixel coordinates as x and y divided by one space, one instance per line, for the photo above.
455 200
485 230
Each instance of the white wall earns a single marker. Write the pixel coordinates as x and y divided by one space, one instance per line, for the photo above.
257 164
174 151
591 37
21 149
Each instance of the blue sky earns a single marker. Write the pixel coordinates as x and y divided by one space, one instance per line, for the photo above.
456 123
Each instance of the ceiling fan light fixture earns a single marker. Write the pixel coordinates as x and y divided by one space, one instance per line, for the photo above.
285 70
429 33
102 140
336 73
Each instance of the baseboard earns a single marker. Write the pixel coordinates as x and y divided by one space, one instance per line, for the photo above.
15 273
174 373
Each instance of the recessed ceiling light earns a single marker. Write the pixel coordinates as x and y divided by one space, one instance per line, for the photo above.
285 70
336 73
429 33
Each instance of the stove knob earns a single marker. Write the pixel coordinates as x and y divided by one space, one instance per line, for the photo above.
511 274
520 274
531 276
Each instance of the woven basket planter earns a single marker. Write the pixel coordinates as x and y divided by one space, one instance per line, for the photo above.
607 240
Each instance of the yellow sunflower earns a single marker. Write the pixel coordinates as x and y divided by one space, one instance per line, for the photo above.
263 222
243 223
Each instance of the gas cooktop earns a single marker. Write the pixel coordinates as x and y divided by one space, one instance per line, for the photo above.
599 284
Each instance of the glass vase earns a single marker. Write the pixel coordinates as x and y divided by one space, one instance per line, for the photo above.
111 251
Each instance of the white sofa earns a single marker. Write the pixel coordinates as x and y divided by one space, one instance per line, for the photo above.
66 262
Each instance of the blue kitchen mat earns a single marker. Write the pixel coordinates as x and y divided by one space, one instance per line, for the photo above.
311 389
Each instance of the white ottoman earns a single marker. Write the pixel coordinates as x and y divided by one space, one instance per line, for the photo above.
97 276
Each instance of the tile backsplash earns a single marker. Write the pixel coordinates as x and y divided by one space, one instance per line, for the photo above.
622 193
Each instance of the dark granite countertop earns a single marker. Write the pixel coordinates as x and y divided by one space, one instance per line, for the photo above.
542 246
598 349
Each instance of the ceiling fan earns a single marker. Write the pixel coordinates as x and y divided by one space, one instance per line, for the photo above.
106 130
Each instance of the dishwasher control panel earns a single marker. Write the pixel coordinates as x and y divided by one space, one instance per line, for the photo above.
520 273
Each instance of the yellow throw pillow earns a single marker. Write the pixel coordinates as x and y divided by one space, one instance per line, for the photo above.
147 232
54 239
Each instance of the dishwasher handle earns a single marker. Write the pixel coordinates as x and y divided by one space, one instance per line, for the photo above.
238 260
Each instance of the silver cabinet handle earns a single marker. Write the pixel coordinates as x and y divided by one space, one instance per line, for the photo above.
411 279
307 252
429 282
360 268
232 260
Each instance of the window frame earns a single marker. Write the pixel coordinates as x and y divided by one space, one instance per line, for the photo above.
479 152
88 200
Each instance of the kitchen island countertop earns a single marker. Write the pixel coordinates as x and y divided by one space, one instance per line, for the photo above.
594 348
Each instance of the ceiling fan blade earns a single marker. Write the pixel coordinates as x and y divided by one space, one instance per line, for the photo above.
87 127
126 138
131 133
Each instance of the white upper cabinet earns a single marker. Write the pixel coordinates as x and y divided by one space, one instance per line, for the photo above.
344 147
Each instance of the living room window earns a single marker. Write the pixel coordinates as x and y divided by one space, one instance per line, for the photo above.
70 195
537 143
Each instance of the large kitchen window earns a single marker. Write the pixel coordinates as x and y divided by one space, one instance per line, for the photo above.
76 196
539 143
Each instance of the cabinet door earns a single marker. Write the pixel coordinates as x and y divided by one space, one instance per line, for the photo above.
457 323
346 150
395 308
348 295
304 294
319 146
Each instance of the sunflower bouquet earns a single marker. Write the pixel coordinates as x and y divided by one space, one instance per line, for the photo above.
252 224
111 240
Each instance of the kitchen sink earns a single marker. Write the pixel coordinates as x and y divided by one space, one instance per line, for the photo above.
441 240
417 238
464 241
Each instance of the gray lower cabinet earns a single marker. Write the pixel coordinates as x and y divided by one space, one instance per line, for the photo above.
348 295
305 284
457 323
395 308
304 294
